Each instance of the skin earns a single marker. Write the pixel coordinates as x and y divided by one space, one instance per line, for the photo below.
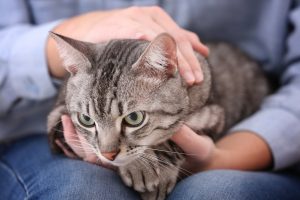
137 23
234 151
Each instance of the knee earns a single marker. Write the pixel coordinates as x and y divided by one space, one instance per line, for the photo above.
216 184
71 179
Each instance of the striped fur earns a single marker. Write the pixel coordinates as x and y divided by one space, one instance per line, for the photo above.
116 78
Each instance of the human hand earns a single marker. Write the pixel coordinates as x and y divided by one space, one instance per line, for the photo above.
242 150
135 23
200 151
78 144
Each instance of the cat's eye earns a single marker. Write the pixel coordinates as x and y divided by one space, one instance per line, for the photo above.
134 119
85 120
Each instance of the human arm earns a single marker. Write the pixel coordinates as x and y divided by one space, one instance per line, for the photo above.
241 151
25 79
136 23
269 139
23 68
131 23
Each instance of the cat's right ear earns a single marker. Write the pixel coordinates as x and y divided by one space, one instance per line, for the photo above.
70 51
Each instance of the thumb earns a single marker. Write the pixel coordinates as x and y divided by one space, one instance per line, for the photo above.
192 143
71 136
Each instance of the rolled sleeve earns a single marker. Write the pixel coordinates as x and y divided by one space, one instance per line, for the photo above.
28 71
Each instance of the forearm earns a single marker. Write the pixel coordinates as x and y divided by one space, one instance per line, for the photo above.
242 151
76 28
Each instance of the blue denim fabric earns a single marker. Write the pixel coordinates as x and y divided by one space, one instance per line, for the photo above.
269 31
29 171
237 185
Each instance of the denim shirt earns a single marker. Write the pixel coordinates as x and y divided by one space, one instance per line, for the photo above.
269 31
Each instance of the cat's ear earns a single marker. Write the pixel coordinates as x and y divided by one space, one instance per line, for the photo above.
160 55
71 52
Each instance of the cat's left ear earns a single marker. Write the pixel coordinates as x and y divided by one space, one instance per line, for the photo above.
71 52
160 55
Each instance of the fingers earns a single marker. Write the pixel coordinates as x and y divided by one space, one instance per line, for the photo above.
69 130
71 136
159 21
66 151
76 142
193 63
196 43
137 22
193 144
185 69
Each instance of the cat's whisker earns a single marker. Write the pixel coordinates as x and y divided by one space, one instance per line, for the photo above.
74 140
167 167
80 150
147 159
184 171
78 145
144 163
81 142
174 152
59 121
153 158
57 130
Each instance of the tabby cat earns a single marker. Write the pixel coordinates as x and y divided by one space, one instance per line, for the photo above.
127 99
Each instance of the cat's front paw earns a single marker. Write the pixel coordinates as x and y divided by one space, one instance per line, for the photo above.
166 184
142 176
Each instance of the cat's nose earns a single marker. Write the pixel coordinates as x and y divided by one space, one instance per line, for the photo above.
110 155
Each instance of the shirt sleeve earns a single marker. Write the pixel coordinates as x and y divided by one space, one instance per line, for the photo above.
278 120
23 67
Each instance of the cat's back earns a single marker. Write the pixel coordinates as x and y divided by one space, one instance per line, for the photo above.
238 83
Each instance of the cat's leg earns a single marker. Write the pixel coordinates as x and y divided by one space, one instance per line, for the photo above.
170 158
155 173
143 173
210 120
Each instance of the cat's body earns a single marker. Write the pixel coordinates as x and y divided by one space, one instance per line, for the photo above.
111 81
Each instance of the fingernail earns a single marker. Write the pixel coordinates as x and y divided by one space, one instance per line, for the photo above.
199 76
207 50
189 77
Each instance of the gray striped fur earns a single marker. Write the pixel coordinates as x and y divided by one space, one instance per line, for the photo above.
110 80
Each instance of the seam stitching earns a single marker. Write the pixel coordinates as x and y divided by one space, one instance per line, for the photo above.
17 177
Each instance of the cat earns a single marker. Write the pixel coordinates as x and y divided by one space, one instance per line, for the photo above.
127 99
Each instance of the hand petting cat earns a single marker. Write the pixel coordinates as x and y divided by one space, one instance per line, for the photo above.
234 151
146 23
136 23
240 150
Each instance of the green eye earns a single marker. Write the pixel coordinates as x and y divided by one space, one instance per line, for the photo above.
134 119
85 120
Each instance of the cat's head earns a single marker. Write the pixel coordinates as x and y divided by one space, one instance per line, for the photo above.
123 96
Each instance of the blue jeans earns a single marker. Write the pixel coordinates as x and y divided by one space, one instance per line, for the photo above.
29 171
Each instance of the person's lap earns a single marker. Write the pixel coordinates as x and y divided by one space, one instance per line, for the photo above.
237 185
28 169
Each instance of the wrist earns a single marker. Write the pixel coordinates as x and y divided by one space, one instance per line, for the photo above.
216 160
236 152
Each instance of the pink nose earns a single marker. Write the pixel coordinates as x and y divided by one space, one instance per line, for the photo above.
110 155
